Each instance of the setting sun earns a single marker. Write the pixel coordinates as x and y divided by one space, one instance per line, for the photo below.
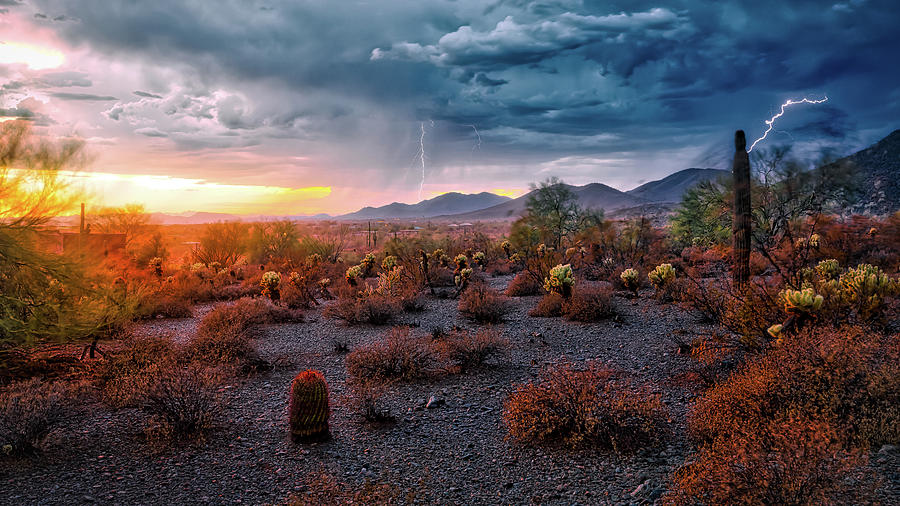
35 57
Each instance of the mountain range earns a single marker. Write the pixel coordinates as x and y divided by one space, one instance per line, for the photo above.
877 168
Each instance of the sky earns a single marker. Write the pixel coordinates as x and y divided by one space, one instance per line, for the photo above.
303 107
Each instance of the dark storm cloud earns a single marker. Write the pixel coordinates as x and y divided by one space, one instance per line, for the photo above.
654 74
83 96
146 94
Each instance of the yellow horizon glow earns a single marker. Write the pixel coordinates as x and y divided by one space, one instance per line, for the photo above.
35 57
169 194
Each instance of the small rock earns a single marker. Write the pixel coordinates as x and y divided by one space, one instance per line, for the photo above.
434 402
888 449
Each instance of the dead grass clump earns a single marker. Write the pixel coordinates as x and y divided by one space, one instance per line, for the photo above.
323 489
363 308
461 350
792 461
483 304
124 374
549 306
398 356
366 398
167 306
589 304
29 410
848 377
593 407
183 402
524 284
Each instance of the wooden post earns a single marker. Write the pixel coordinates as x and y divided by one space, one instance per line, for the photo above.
740 228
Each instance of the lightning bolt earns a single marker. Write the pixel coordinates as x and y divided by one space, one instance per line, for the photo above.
771 122
478 142
422 156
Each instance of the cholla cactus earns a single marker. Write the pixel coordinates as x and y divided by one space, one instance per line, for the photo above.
866 286
630 279
516 257
390 282
662 275
388 263
507 248
439 257
367 264
297 279
478 259
805 301
313 260
775 330
269 284
828 269
461 262
873 232
560 280
353 274
156 266
462 279
814 241
215 267
542 249
309 409
198 267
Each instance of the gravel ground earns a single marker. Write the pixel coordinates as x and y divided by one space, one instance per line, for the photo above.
453 454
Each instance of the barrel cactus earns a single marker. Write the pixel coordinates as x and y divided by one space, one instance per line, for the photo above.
269 284
630 279
560 280
662 275
805 301
309 410
353 274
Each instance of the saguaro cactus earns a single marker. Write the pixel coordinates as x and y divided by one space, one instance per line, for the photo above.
741 225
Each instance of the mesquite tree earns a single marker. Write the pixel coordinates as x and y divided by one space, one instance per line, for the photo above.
741 225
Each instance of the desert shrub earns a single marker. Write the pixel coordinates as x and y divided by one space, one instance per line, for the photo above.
227 347
593 407
123 376
461 350
522 285
167 306
240 316
363 308
397 356
323 489
793 461
365 397
483 304
29 410
550 305
589 304
309 410
848 377
183 402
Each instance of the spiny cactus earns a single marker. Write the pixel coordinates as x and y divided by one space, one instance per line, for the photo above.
156 266
353 274
478 259
388 263
662 275
805 301
296 279
866 286
390 282
269 284
542 249
462 278
629 279
461 262
560 280
313 260
814 241
507 248
367 264
215 267
740 227
828 269
309 410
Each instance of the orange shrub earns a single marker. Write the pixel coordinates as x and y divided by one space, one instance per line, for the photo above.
399 355
183 402
848 377
363 308
483 304
593 407
791 461
589 304
462 350
124 374
524 284
550 305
